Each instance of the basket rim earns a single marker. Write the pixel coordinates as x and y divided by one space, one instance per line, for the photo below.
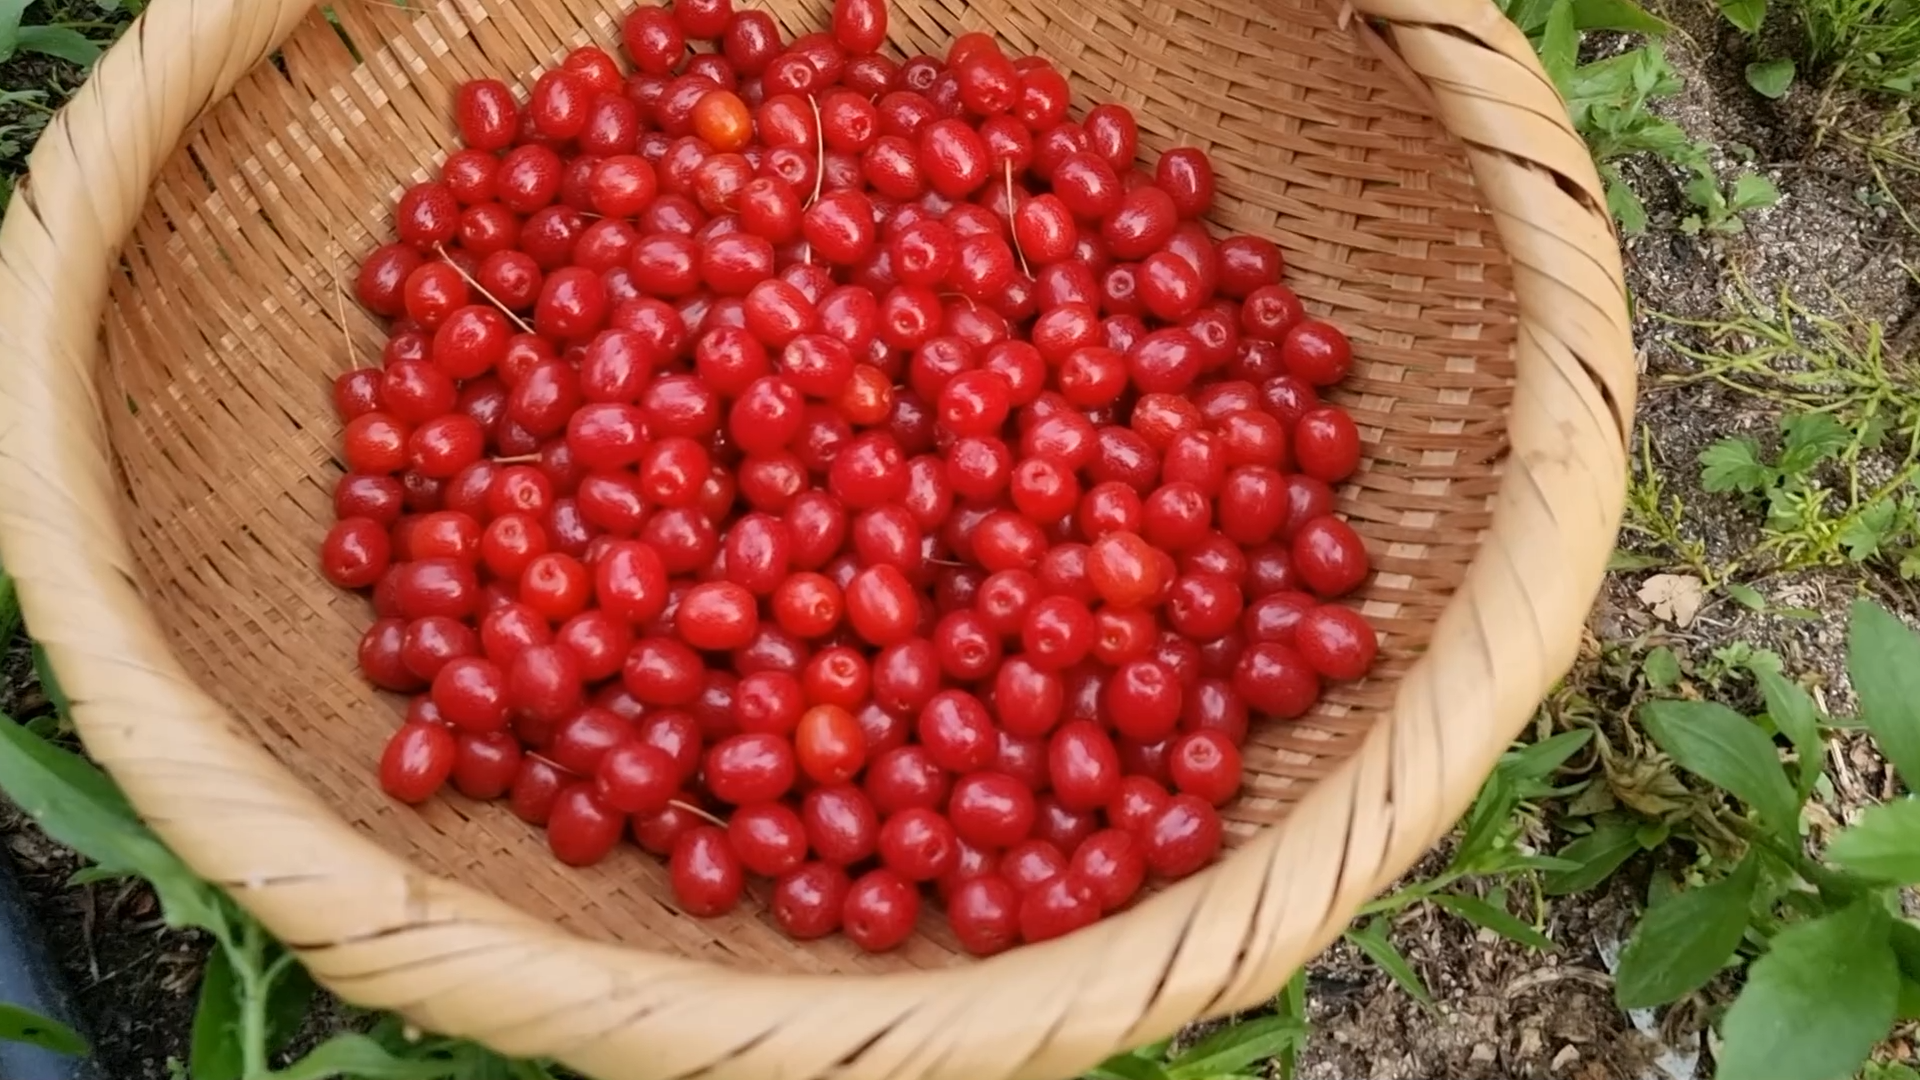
459 961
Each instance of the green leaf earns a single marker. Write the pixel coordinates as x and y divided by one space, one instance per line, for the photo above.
1795 716
1598 854
1234 1048
1684 941
1905 940
1371 939
1810 437
361 1058
1725 749
1622 15
26 1026
1817 1002
1866 531
1770 78
1883 660
1734 465
288 1002
1884 846
1131 1066
1537 762
1480 913
1745 595
10 12
78 806
1491 811
1629 561
1529 15
1627 207
60 42
50 686
214 1053
1745 14
9 601
1661 668
1560 44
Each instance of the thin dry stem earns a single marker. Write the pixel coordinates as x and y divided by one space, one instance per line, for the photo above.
481 289
820 146
340 296
697 812
1011 228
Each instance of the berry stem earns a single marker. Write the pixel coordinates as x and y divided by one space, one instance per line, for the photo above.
820 149
1012 229
697 812
481 289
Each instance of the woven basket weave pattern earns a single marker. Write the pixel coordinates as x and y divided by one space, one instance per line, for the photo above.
1370 151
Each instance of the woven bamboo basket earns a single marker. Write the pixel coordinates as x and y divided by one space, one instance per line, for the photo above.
172 313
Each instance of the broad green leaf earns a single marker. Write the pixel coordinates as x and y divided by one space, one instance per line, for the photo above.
288 1002
1884 846
1745 595
1811 438
1865 532
1537 762
1539 862
1480 913
1529 15
1905 940
61 42
77 805
1753 191
10 12
214 1053
1598 854
1626 206
1560 44
1745 14
1771 78
361 1058
1622 15
1684 941
1490 814
1734 465
1725 749
1661 668
1793 713
1817 1002
26 1026
1371 939
1234 1048
1883 660
1134 1066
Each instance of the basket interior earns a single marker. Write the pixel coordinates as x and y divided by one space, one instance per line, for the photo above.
233 314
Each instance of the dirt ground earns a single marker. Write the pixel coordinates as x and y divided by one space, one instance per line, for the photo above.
1501 1011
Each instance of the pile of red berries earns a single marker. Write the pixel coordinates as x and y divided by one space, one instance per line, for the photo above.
851 473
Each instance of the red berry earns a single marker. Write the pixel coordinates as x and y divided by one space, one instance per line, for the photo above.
418 760
1335 641
1183 837
879 911
707 875
1330 556
808 901
984 912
